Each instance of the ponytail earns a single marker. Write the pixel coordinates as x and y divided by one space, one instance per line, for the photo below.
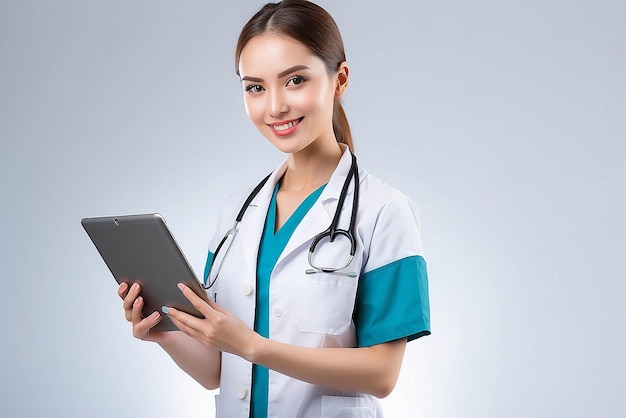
341 127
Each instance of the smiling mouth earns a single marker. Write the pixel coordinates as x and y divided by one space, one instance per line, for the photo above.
285 126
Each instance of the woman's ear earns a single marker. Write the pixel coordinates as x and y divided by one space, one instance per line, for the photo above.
341 80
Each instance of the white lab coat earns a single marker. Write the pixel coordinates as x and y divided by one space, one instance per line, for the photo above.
308 310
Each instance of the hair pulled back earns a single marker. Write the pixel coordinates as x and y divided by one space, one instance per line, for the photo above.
310 24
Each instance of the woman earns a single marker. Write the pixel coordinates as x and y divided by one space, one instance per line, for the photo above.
275 339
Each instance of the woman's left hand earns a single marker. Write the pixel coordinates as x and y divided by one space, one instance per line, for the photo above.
219 328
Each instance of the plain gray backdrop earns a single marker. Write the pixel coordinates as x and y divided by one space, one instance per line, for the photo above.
504 120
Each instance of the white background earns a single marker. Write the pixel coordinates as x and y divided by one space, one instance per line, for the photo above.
505 122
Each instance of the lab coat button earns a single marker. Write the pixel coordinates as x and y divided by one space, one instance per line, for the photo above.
242 392
247 289
278 312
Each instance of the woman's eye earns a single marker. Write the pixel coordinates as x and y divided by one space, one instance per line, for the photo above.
295 80
254 88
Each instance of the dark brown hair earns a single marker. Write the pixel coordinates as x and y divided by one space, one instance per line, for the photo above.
310 24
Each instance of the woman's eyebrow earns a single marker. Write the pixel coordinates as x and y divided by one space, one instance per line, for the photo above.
253 79
280 75
292 70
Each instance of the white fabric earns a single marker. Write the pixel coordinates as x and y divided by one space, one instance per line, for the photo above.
308 310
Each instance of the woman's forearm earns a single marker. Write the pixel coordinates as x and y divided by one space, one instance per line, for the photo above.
196 359
372 370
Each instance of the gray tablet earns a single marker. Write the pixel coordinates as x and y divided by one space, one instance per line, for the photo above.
140 248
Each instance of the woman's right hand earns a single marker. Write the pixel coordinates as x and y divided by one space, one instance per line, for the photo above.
133 304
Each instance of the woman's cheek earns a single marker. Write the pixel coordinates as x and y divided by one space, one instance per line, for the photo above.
246 106
308 101
254 109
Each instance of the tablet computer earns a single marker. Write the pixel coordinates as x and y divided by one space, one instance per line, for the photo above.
140 248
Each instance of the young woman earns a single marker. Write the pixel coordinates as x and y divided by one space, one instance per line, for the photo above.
295 330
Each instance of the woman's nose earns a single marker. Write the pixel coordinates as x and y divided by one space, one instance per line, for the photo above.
277 104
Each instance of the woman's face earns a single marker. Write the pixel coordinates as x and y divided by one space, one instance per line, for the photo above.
288 93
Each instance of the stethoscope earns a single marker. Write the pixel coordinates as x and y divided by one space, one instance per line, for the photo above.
331 232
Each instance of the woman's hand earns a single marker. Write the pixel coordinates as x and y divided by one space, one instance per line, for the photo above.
200 362
133 304
219 328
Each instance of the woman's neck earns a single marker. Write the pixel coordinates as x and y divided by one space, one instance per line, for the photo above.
311 167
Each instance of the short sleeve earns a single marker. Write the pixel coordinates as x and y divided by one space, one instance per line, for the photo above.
392 299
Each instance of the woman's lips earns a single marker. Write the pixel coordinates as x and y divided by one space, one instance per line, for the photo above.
284 128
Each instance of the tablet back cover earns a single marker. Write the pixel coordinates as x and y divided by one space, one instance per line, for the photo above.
140 248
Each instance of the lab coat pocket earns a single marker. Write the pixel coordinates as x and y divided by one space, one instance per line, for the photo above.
326 303
346 407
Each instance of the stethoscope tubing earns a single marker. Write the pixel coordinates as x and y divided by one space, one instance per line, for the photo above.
331 232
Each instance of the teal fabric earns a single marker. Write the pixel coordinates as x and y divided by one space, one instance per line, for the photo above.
271 246
207 265
392 302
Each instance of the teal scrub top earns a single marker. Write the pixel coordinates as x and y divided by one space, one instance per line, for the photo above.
271 246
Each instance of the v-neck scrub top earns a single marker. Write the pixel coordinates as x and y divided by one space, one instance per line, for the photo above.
263 283
272 245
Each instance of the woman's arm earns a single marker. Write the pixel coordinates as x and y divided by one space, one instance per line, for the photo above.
199 361
372 370
194 358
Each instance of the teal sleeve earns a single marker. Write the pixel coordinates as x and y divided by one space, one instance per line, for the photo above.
392 302
207 266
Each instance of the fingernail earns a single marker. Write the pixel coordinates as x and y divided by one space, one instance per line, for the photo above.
165 310
135 286
180 286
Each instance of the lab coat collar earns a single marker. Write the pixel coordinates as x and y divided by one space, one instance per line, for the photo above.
334 186
331 191
317 219
254 219
321 213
